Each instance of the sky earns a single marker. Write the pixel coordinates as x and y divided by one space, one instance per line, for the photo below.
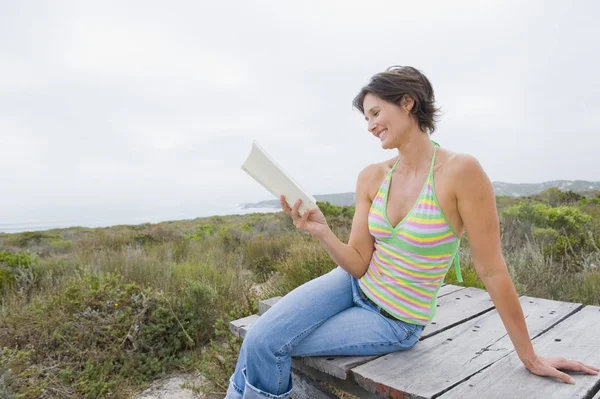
117 107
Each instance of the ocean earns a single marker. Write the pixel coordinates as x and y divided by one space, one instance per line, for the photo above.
46 220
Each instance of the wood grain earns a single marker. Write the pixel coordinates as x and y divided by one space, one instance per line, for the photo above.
437 364
576 338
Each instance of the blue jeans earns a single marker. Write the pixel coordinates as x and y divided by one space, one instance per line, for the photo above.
326 316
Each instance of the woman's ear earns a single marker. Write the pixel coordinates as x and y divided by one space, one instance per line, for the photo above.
407 103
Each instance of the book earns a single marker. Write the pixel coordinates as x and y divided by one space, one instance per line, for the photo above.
269 174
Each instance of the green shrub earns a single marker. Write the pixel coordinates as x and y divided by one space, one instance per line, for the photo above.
562 232
19 259
204 231
144 239
545 235
586 288
468 273
231 237
61 246
16 270
220 356
564 219
330 210
306 261
107 334
262 267
591 206
556 197
31 238
261 255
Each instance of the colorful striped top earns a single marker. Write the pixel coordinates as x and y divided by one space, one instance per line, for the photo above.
410 261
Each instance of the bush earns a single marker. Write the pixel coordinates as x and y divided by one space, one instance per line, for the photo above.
261 255
231 237
204 231
306 261
220 356
20 259
562 232
31 238
556 197
564 219
101 334
16 270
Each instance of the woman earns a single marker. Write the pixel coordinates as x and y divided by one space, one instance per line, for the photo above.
405 236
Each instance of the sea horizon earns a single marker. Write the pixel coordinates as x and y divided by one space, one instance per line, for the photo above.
106 218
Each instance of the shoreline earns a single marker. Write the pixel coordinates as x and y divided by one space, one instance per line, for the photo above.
43 224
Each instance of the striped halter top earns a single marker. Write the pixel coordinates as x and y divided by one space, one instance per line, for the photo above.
410 261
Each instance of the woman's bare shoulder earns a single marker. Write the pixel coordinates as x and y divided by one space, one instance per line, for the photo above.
377 169
456 162
371 176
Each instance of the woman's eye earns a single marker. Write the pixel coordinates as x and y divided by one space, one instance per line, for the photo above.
376 113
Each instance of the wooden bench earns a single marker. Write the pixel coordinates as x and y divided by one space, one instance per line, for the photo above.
464 352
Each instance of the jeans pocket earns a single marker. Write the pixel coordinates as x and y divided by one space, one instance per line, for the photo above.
407 330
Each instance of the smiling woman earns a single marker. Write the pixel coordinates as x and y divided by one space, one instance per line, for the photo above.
397 86
405 237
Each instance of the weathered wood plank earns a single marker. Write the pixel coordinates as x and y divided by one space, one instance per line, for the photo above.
240 326
457 307
437 364
337 366
266 304
575 338
448 289
344 385
304 387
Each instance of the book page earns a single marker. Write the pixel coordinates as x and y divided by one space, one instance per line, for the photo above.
269 174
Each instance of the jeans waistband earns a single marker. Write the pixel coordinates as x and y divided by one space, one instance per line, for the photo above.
379 309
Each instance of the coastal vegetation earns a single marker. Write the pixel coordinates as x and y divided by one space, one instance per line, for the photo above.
102 312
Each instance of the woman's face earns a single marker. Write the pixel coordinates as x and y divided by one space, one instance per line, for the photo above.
387 121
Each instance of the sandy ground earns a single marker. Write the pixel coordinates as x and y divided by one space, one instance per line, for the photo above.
171 388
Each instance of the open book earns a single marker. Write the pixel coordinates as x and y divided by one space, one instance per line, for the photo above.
262 168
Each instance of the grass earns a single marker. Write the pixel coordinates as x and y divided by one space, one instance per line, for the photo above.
97 313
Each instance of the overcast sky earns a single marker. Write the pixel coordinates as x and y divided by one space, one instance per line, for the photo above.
155 104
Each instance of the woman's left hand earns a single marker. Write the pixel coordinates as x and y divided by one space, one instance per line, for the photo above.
548 366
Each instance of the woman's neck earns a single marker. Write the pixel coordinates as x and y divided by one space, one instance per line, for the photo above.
415 152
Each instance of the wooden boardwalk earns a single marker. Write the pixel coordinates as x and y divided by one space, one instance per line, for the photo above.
465 352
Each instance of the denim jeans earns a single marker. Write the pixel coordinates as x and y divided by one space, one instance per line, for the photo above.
326 316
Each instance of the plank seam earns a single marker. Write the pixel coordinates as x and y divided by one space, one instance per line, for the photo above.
442 392
581 306
595 389
458 323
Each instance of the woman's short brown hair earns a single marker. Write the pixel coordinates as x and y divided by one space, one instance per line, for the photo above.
399 81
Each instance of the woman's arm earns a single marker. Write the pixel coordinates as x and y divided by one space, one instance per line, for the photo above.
477 207
355 256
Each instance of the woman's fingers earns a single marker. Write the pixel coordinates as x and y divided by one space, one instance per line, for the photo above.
305 217
578 366
299 221
295 213
286 208
284 205
564 377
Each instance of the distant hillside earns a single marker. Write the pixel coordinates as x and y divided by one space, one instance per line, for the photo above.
519 189
500 188
342 199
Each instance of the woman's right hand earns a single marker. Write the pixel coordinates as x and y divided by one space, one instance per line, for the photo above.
313 221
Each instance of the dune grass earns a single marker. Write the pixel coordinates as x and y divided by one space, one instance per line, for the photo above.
102 312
